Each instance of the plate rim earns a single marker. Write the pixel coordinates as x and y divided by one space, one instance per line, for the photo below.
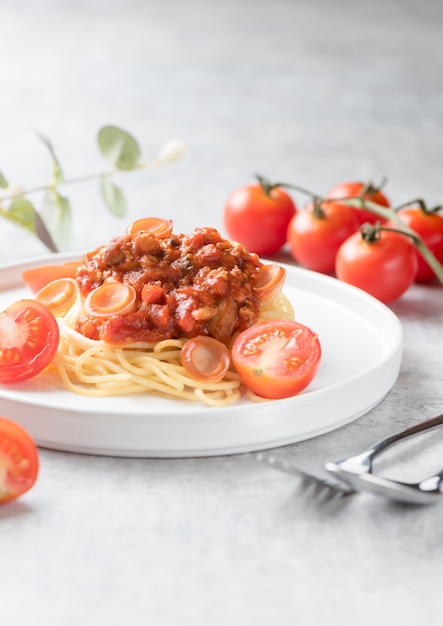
11 271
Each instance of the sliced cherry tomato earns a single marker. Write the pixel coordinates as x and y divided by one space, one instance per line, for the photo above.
205 358
385 267
276 358
362 190
429 227
37 277
59 295
316 232
110 299
29 338
18 460
257 216
155 225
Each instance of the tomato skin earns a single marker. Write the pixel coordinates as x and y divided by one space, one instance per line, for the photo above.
258 221
384 268
315 235
354 188
429 227
19 462
276 358
29 337
36 278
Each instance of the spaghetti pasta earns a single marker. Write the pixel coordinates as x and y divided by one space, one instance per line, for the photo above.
92 367
207 289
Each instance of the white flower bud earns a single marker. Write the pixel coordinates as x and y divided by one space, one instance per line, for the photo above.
172 151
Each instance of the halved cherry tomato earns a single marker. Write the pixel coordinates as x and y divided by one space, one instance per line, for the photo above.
384 267
110 299
18 460
366 191
29 337
155 225
317 231
276 358
59 295
429 227
37 277
205 358
257 216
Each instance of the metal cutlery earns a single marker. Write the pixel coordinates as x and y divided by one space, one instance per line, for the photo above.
355 474
357 471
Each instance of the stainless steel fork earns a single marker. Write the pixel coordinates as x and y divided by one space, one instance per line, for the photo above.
357 471
355 474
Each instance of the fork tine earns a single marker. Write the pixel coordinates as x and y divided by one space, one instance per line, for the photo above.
317 484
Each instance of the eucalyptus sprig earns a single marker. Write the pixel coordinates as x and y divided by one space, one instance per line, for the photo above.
51 224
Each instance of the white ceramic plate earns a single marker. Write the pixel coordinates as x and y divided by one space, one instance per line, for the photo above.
362 345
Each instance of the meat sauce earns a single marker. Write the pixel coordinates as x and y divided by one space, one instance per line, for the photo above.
186 285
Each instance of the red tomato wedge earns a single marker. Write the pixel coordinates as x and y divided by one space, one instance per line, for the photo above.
276 358
205 358
18 460
29 338
38 277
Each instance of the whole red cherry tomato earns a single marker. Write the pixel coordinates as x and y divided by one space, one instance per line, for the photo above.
381 262
317 231
429 227
257 216
367 192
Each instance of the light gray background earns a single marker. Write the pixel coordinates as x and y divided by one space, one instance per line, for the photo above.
310 92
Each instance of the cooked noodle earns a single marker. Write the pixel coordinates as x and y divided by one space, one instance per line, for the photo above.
94 368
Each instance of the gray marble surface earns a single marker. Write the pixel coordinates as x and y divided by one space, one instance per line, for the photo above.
309 92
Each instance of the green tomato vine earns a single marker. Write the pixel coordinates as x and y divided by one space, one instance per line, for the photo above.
388 214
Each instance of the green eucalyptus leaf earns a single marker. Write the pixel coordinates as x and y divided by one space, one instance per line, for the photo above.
22 212
56 213
114 197
118 147
3 182
57 173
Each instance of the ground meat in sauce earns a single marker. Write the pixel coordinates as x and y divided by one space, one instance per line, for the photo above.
186 285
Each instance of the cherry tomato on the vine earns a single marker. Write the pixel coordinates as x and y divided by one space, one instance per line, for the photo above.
29 337
365 191
276 358
18 460
429 227
257 216
317 231
384 266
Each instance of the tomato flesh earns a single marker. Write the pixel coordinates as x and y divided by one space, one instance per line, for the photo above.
18 460
29 337
276 358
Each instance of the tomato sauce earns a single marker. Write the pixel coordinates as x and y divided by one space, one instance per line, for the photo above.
186 285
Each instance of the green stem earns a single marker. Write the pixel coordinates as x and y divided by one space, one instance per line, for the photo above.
391 215
385 213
